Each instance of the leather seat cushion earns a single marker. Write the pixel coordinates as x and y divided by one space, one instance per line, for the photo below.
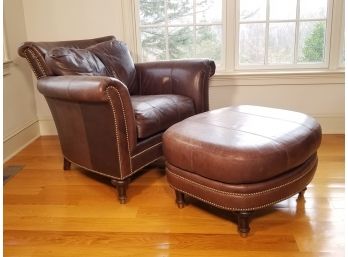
156 113
243 144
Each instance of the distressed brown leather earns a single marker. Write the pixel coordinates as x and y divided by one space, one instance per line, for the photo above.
118 61
242 157
170 77
72 61
103 127
156 113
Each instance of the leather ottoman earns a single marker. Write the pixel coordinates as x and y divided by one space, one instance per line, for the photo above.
242 158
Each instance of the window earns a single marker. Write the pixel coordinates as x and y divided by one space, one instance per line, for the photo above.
286 32
175 29
242 34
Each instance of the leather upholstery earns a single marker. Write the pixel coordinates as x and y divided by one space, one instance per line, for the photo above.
247 144
171 77
118 61
242 158
104 123
72 61
156 113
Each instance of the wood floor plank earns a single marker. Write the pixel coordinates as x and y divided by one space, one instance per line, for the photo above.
50 212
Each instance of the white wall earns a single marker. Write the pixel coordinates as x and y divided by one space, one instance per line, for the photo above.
20 119
320 95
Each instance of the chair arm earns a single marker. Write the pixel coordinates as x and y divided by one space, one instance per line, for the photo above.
89 89
182 77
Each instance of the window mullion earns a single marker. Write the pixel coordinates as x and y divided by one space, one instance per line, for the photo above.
297 29
166 28
194 28
267 33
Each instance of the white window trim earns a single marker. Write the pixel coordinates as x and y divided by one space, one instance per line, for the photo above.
294 66
229 34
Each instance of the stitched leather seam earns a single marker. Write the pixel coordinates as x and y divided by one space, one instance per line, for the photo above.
146 150
116 127
125 125
38 62
238 194
232 208
100 173
106 175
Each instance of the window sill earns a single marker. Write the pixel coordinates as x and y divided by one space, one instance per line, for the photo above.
273 78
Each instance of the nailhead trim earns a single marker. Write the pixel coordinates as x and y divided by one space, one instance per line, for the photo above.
232 208
38 62
146 150
238 194
116 127
125 124
31 64
106 175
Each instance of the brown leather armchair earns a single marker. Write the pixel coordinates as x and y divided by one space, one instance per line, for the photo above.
109 112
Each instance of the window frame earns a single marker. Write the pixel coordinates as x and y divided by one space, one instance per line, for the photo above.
230 35
267 22
194 24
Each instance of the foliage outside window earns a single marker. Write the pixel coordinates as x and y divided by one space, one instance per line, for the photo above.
271 34
176 29
286 32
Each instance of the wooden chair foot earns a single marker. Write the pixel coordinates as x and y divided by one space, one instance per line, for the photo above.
67 164
121 186
243 223
180 199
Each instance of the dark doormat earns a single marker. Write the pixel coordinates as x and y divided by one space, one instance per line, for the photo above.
10 171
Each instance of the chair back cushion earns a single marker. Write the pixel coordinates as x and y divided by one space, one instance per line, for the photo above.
118 61
72 61
103 56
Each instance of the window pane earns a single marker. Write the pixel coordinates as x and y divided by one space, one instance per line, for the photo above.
252 43
252 10
181 42
151 12
209 42
153 44
313 9
180 12
208 11
311 42
281 43
283 10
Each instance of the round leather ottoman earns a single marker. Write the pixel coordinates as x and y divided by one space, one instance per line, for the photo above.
241 158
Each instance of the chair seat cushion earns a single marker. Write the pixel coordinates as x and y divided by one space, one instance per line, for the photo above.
156 113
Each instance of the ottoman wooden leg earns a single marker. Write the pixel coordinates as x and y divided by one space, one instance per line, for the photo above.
243 223
301 194
180 199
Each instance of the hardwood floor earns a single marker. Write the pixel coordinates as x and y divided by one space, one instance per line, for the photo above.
51 212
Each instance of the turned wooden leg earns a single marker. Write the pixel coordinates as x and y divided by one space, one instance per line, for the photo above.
243 223
121 186
67 164
301 194
180 199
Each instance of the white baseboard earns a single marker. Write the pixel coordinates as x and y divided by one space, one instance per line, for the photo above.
47 127
19 140
330 125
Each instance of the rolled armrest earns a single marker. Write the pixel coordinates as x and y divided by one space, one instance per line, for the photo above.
183 77
79 88
85 89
